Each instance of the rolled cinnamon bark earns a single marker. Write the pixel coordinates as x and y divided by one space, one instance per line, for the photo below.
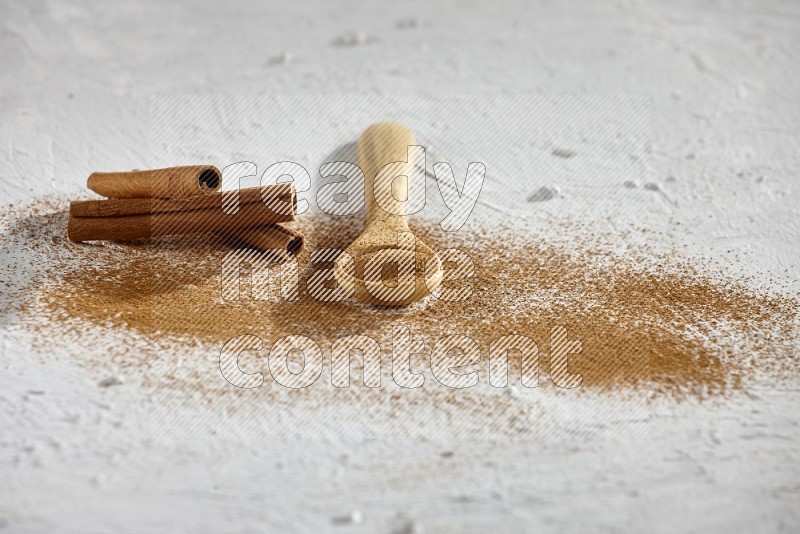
172 182
128 219
280 198
284 241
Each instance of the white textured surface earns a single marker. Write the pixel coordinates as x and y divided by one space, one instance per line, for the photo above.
722 77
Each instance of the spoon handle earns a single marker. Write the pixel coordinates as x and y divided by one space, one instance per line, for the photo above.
383 155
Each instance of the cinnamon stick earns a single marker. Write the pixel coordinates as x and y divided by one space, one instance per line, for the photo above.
285 242
276 197
128 219
172 182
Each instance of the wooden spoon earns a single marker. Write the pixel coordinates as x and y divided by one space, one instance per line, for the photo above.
386 237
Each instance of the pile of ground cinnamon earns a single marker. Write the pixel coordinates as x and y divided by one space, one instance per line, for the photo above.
646 322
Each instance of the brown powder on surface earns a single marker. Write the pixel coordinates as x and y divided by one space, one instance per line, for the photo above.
646 322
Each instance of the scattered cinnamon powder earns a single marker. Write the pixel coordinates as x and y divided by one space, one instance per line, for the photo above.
646 322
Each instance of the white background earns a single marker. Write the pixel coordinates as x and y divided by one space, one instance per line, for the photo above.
76 85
